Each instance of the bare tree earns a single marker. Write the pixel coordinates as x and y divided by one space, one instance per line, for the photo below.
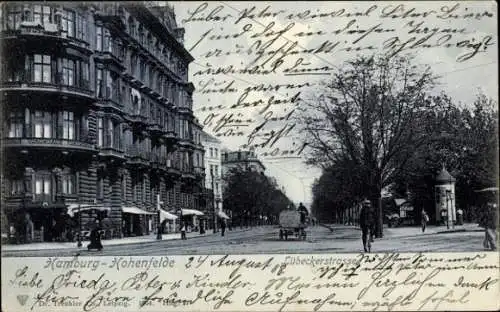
375 111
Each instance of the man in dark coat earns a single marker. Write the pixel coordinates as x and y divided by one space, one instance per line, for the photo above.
366 222
222 227
95 238
489 221
303 213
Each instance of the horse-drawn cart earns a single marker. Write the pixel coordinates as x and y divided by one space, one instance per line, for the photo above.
290 224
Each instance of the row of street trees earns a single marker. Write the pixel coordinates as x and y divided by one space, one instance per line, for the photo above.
379 124
253 198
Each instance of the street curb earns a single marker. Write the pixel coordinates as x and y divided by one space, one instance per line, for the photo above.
460 230
83 248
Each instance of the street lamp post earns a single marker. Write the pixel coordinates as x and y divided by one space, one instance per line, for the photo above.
79 226
158 205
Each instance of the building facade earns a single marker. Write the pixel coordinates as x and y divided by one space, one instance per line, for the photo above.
97 118
245 160
213 176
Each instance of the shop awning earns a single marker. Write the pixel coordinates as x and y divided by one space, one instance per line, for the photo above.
135 210
194 212
165 215
75 208
488 189
223 215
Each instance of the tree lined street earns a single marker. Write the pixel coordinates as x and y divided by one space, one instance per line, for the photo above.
384 125
264 239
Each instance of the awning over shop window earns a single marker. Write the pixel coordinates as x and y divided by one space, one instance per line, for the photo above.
488 189
135 210
164 215
194 212
223 215
75 208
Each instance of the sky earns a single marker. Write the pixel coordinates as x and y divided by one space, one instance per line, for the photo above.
458 40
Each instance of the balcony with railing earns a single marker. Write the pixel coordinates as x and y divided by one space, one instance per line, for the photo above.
173 168
111 53
170 135
48 32
109 98
158 162
199 171
188 172
155 127
23 83
29 199
112 13
137 156
186 142
112 148
82 144
137 117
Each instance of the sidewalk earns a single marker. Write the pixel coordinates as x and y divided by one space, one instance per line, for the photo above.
413 230
109 242
430 230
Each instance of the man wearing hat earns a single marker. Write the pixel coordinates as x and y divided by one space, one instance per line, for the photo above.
366 221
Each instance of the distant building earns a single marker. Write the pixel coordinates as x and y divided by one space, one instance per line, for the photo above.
213 176
245 160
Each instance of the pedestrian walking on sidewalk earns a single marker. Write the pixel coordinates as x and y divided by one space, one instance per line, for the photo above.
366 222
95 238
489 222
183 231
222 227
425 219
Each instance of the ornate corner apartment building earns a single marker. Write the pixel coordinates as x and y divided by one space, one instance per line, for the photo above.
96 117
